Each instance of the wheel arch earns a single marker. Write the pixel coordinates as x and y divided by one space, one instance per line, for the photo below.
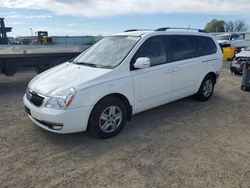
124 99
213 75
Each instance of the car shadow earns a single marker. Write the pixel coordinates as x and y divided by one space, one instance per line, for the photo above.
140 127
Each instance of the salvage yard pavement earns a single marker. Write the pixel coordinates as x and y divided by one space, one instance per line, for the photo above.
182 144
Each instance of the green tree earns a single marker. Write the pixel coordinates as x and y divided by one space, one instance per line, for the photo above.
215 26
236 26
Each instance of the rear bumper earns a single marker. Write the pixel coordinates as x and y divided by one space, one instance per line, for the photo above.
58 121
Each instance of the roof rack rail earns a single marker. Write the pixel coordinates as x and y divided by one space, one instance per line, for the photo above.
130 30
183 28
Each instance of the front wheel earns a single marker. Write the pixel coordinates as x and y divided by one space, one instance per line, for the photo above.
108 118
206 89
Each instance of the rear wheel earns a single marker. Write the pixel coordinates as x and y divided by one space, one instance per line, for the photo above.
108 118
206 89
8 68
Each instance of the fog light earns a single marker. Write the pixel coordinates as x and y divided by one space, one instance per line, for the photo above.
50 125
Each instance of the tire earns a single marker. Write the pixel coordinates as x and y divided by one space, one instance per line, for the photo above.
41 68
102 122
237 73
9 68
206 89
234 71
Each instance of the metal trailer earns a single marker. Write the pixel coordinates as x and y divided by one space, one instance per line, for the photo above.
41 57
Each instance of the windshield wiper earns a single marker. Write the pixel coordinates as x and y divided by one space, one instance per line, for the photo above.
87 64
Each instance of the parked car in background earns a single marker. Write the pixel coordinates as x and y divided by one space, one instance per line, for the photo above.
232 43
237 64
121 75
236 40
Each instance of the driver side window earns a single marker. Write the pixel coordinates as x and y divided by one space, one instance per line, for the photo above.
153 49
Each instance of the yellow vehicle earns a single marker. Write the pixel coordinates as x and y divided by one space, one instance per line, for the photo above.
229 53
43 38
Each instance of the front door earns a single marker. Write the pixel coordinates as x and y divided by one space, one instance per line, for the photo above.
152 85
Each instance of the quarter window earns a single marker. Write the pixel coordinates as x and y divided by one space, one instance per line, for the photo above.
153 49
205 45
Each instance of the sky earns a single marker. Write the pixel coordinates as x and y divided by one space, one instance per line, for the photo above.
103 17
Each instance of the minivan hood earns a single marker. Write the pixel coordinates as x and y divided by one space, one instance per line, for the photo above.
63 77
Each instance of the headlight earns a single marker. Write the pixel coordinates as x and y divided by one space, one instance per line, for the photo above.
61 100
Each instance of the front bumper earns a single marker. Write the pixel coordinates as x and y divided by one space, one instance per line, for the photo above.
58 121
236 67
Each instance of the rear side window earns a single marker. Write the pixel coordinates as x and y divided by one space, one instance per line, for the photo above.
205 45
182 47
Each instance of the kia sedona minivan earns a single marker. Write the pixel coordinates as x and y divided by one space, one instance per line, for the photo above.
121 75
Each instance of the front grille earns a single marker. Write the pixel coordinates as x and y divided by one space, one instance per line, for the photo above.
34 98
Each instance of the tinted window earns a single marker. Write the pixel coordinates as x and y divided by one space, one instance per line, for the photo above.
153 49
237 37
182 47
205 45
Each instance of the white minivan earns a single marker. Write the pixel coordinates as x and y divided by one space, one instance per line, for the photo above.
121 75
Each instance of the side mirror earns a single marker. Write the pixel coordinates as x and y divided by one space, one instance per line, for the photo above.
142 62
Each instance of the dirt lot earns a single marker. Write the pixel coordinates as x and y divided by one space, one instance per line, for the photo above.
183 144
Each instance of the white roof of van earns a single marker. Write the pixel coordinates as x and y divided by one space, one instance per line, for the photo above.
172 32
133 33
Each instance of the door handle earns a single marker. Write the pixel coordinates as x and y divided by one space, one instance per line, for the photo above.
206 61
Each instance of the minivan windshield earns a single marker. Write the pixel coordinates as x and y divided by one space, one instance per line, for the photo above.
108 52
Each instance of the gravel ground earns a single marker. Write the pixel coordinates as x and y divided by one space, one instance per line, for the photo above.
182 144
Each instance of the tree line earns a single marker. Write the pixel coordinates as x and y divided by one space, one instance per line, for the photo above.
226 26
